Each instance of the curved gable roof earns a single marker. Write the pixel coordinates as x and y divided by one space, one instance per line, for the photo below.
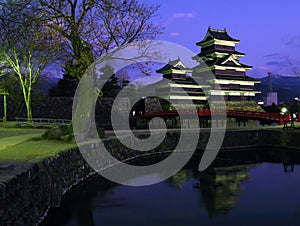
217 34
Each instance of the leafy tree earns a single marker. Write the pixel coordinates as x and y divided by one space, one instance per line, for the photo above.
4 93
111 87
15 100
115 83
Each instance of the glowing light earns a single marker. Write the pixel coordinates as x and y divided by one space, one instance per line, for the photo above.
260 102
284 110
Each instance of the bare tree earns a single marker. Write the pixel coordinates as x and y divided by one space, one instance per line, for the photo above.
123 78
88 28
91 28
25 49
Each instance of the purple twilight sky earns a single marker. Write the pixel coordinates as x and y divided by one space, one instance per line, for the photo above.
269 30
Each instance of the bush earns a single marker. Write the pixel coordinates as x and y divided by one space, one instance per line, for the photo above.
56 133
101 132
65 133
68 138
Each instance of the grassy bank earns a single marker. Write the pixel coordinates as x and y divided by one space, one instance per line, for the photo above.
8 132
26 144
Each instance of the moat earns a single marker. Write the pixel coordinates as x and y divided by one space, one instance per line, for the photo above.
249 187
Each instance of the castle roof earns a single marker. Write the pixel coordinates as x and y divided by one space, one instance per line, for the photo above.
206 53
175 65
226 61
217 34
237 77
188 81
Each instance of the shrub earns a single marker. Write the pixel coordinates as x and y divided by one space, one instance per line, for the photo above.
68 138
55 133
101 132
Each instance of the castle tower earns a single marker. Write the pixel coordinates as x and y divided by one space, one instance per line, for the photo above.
179 84
219 54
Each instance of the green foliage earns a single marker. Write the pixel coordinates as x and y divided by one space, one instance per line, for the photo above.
111 87
11 85
56 133
65 133
65 87
77 67
53 134
68 138
101 132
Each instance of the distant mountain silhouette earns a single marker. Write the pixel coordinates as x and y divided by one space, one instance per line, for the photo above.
287 87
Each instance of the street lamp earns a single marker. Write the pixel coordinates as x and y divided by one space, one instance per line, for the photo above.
284 110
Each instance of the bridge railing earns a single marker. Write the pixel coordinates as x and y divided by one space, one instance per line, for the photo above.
267 116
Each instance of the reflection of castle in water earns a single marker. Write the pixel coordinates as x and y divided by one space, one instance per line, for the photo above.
220 184
220 187
288 161
179 179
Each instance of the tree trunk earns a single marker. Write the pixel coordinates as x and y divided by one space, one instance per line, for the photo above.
28 108
5 108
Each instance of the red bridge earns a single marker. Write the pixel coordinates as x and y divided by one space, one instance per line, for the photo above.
263 117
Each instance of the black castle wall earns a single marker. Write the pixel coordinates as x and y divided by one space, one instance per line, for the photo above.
58 108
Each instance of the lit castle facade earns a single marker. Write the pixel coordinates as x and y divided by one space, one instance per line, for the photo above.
228 75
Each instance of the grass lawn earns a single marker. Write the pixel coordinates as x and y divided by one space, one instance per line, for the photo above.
8 132
26 144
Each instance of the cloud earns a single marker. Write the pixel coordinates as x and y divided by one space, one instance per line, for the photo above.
183 15
271 55
174 34
291 41
180 15
259 71
277 63
276 56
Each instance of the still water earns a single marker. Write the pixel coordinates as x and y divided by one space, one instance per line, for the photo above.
249 187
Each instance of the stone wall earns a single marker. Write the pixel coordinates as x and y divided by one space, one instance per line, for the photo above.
43 107
26 196
61 108
28 191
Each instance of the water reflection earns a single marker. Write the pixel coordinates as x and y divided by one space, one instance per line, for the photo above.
219 188
180 178
241 187
288 161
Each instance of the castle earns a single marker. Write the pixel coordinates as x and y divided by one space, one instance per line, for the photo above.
219 58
